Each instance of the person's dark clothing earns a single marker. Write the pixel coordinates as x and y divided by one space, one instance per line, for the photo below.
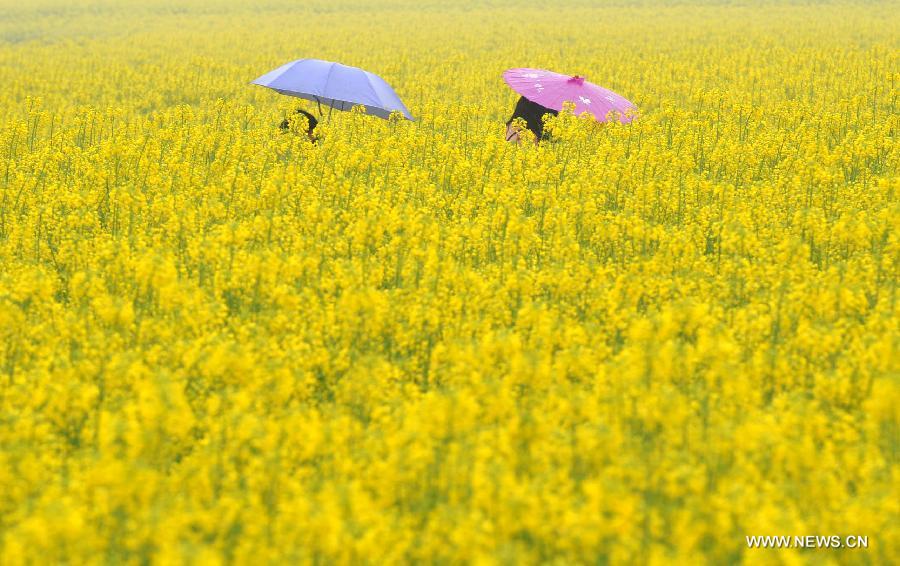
532 113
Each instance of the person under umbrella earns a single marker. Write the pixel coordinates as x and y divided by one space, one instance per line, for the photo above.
552 91
533 114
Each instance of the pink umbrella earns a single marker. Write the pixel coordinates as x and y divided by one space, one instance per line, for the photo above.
551 90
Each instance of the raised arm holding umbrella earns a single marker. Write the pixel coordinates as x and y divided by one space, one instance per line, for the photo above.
307 119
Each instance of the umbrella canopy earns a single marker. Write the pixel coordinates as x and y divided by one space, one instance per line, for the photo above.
334 85
551 90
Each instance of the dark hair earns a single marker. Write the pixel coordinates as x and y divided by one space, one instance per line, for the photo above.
533 114
285 124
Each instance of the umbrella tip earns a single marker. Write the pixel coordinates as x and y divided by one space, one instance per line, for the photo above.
577 79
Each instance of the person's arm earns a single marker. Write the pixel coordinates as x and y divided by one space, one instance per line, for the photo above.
512 134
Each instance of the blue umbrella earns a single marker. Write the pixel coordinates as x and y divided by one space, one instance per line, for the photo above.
334 85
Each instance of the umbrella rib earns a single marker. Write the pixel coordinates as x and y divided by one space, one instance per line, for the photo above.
325 86
404 110
558 98
285 68
374 91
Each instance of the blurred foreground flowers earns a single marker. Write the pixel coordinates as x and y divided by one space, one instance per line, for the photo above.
418 343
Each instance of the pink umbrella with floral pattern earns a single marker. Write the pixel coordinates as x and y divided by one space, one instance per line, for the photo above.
552 90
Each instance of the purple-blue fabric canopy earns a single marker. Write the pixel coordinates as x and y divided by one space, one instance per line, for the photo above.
335 86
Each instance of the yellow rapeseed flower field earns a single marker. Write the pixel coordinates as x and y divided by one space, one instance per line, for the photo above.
414 342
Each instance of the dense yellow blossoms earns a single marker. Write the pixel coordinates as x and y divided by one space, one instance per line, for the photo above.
414 342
